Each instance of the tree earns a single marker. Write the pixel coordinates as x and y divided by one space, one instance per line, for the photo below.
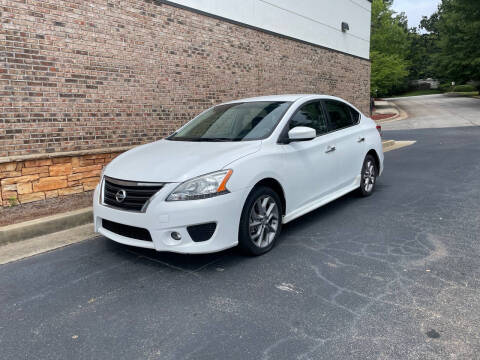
389 72
456 30
389 47
422 49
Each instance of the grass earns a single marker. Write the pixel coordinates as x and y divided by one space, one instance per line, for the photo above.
420 92
12 201
468 93
435 91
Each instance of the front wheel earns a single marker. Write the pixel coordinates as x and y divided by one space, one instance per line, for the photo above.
368 176
261 221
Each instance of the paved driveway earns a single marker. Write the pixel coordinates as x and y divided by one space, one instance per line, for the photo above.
436 111
393 276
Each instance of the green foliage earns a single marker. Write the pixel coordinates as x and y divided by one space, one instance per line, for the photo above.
389 30
448 48
455 28
446 87
389 47
464 88
12 201
421 48
421 92
389 72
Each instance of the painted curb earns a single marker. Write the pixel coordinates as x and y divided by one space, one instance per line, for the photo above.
387 143
46 225
398 145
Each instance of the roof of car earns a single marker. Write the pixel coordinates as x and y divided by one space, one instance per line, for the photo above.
284 97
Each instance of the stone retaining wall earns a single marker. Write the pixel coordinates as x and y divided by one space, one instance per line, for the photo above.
33 180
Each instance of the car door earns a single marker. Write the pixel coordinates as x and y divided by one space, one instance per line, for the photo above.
309 165
348 139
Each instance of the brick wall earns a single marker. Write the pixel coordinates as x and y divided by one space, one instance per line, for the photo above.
78 74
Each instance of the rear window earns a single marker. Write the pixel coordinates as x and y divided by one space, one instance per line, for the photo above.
355 115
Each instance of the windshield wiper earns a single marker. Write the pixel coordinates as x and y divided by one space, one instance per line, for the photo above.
200 139
174 138
214 139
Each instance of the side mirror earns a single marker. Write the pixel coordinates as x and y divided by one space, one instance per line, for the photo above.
302 133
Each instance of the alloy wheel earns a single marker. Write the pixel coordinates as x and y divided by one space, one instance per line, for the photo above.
369 176
263 221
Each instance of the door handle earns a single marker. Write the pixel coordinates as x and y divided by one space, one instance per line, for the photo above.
330 149
361 139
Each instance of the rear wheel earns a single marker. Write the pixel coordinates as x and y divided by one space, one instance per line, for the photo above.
368 176
261 221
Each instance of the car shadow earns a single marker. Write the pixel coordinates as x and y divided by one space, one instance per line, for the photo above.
190 263
193 263
330 209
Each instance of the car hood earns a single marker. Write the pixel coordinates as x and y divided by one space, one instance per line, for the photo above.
177 161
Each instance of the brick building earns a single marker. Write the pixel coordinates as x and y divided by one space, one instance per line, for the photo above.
81 81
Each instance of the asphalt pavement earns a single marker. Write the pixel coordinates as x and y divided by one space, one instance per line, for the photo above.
392 276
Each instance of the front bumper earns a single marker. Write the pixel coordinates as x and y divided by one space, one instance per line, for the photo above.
164 217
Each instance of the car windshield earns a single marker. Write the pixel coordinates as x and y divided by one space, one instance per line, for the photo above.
234 122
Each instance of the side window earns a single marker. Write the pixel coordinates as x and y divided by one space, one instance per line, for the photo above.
355 116
310 115
340 114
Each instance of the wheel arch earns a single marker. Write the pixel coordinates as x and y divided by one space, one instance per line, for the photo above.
373 153
275 186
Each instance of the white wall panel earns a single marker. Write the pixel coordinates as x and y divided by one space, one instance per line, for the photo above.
314 21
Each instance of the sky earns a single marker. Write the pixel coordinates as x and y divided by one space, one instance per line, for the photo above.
415 9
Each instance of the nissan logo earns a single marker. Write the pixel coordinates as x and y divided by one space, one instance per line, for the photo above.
120 195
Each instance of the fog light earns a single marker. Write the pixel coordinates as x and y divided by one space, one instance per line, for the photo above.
176 236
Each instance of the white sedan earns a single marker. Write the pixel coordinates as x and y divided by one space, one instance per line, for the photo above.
236 172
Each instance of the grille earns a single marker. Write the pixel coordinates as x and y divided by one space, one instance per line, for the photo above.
131 232
136 194
201 232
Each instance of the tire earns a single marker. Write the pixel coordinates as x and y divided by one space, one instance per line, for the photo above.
252 240
368 177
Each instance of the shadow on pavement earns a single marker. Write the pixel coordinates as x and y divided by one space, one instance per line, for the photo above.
230 257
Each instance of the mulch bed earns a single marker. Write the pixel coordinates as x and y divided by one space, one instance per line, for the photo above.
35 210
382 116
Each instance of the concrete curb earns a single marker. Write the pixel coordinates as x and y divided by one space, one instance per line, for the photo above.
401 115
22 249
384 107
46 225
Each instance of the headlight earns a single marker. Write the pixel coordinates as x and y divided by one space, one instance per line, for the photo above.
202 187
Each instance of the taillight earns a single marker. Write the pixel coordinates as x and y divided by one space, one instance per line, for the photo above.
379 128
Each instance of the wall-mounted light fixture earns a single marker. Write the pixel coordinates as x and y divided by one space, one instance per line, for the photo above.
345 26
